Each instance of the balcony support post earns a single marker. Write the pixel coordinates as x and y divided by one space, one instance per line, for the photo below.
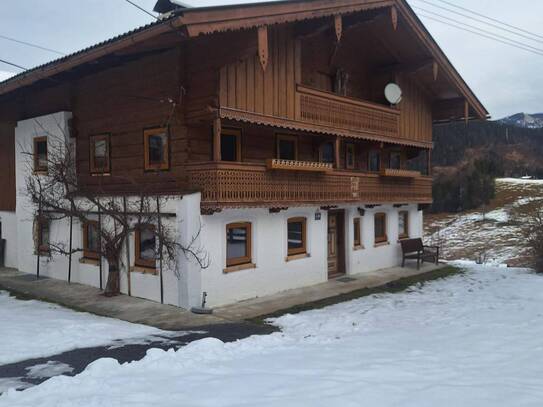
337 148
217 140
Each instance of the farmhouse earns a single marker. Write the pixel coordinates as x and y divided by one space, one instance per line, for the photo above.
266 125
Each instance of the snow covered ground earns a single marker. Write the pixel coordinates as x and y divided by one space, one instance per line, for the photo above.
470 340
31 329
497 238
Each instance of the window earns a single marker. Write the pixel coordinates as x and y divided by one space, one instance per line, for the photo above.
296 238
99 154
349 156
41 237
357 237
230 145
395 160
287 147
418 160
381 228
146 246
374 160
238 244
327 153
403 225
40 154
156 149
91 240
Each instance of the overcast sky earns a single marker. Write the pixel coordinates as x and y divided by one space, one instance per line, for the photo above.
507 80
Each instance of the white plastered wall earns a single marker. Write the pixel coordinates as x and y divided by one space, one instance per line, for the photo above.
9 233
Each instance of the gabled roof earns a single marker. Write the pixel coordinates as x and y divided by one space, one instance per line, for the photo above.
198 21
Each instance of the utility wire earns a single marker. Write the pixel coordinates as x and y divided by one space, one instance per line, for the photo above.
480 29
141 9
31 45
484 16
492 19
12 64
482 35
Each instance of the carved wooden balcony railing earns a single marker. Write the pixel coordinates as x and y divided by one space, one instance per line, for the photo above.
251 185
333 111
395 173
292 165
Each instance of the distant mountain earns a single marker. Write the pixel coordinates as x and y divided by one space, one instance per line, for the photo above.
524 120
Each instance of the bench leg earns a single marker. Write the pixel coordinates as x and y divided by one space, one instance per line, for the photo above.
403 262
418 263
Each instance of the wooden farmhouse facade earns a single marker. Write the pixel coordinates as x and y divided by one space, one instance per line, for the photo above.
266 124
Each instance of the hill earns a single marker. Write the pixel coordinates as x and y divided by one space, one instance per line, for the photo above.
525 120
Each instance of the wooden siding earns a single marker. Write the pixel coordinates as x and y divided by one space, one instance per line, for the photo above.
7 166
416 112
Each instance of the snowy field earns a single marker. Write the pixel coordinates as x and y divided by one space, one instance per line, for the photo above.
32 329
496 238
470 340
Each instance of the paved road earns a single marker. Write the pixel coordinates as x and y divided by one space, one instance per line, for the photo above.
79 359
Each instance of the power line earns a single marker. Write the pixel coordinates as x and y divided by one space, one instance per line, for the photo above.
31 45
13 64
141 9
481 15
482 35
480 29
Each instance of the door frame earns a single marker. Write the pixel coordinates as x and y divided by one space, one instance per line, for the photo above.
341 244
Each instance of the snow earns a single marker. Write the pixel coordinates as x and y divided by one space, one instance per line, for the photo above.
32 329
473 339
520 181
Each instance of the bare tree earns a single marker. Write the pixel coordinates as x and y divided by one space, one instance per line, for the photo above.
57 196
532 228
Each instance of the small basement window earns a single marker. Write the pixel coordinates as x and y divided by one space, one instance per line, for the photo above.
145 247
297 238
287 147
238 244
41 236
374 160
230 145
99 154
381 228
40 154
91 240
156 149
357 233
403 225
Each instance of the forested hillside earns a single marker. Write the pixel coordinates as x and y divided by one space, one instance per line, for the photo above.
467 159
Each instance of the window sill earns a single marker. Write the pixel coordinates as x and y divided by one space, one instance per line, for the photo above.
293 257
99 174
403 238
41 172
144 270
239 267
86 260
359 247
380 244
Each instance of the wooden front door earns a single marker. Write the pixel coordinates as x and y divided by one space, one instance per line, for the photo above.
335 244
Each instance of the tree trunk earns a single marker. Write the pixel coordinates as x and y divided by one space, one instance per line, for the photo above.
113 286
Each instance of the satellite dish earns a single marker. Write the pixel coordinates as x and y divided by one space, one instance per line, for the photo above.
393 93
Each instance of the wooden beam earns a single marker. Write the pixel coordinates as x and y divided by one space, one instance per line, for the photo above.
217 140
435 70
394 17
338 25
466 111
263 49
337 148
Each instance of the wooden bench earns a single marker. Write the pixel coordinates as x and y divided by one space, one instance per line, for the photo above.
414 249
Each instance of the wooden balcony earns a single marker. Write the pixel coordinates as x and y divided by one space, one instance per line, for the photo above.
394 173
337 112
292 165
232 185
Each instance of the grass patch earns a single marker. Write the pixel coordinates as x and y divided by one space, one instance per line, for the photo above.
393 287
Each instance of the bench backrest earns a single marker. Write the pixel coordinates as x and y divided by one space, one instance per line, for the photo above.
411 245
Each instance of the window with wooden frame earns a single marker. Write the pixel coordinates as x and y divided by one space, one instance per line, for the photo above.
395 160
287 147
238 244
381 228
145 246
350 156
99 154
91 240
40 154
326 153
297 236
357 233
156 150
230 145
403 225
41 236
374 160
